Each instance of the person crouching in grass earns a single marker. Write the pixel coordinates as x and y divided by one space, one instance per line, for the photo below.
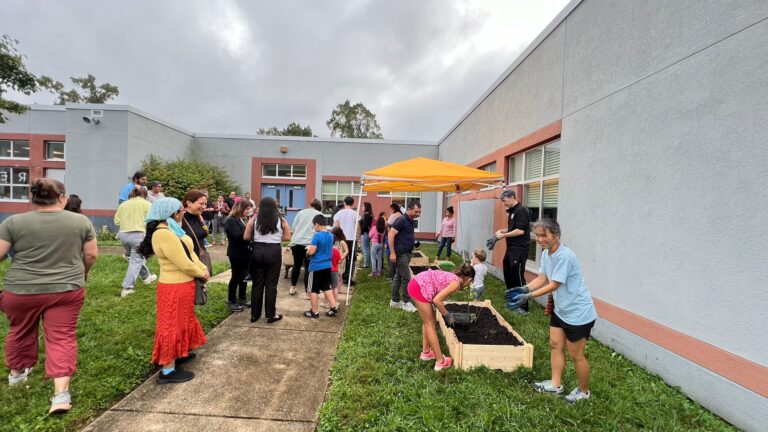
574 314
321 251
431 288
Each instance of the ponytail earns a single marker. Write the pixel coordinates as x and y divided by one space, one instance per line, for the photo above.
465 271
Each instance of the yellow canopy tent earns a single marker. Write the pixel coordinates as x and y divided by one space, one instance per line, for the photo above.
423 175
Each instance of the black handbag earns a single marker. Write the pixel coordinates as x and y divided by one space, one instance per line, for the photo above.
201 291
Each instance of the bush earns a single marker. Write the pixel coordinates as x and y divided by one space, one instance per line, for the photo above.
105 234
181 175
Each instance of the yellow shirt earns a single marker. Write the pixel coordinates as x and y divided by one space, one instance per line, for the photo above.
175 266
130 214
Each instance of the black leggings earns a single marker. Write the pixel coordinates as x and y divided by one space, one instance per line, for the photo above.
514 269
236 283
265 273
300 259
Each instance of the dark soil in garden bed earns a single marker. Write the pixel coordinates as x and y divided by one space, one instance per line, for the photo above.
485 331
418 269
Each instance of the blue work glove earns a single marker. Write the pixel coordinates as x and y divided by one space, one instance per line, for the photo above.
519 300
512 292
449 321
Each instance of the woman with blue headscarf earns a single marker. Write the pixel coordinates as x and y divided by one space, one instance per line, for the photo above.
178 331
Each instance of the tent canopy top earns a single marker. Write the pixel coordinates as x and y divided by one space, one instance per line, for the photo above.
427 175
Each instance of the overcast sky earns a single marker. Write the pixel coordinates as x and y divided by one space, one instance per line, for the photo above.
229 66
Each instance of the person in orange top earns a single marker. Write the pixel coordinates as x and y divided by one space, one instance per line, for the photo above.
177 331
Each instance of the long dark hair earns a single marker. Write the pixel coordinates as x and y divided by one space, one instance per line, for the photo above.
145 247
338 234
381 224
268 217
367 208
73 204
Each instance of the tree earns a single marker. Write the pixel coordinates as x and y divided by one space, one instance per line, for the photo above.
181 175
354 121
293 129
89 91
15 76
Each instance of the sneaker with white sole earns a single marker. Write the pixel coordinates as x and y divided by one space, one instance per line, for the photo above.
577 396
61 403
20 378
548 387
126 292
427 356
409 307
445 364
149 279
396 304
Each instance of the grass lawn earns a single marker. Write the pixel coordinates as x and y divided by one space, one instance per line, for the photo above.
115 339
379 384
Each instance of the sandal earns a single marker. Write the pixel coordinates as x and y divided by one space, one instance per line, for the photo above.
310 314
61 403
277 317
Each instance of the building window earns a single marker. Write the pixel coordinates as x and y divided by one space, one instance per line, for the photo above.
284 171
538 171
54 150
334 193
14 184
13 149
491 167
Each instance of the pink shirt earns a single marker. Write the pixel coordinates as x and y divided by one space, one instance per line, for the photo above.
374 235
432 282
448 227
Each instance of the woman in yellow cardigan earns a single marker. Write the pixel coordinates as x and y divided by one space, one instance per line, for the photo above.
178 331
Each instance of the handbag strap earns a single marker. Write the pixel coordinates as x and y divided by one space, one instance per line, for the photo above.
184 246
193 235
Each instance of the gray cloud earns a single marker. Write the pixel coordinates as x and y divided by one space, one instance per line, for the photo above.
232 67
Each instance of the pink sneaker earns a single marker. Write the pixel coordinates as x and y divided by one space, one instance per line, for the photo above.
427 356
447 363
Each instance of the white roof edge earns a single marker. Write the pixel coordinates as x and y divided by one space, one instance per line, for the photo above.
37 107
518 61
110 107
314 139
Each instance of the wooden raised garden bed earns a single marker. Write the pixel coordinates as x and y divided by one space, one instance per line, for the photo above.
490 342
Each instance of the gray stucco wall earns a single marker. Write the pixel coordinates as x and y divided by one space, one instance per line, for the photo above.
340 157
663 156
40 120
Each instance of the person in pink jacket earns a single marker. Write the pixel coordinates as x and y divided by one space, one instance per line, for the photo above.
378 235
447 232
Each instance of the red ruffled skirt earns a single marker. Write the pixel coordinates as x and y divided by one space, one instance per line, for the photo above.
178 331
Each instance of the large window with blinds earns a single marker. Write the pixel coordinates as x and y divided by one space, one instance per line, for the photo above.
334 193
538 171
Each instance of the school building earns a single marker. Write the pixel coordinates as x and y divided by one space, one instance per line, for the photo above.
639 125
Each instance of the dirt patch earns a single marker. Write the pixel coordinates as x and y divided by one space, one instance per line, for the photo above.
418 269
485 331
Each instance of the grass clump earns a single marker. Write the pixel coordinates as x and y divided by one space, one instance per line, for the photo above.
115 340
379 383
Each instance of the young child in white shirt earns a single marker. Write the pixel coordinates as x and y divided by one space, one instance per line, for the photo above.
478 263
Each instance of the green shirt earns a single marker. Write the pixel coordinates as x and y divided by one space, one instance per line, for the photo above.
48 250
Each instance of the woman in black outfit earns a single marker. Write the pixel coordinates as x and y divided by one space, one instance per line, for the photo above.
194 202
266 230
238 253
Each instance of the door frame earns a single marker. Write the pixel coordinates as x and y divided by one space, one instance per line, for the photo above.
257 180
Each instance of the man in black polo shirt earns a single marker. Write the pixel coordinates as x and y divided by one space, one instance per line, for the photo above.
518 236
401 239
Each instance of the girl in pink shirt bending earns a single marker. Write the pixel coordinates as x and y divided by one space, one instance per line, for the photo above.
430 288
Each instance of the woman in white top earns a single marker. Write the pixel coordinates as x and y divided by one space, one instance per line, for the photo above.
266 230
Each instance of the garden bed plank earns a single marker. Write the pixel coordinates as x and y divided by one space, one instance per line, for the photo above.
504 357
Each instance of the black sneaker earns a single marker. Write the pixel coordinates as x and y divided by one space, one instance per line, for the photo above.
234 307
333 311
175 377
187 359
244 303
310 314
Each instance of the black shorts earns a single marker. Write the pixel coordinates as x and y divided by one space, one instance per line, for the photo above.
573 333
319 280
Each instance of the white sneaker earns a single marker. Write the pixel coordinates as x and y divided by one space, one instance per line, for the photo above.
126 292
14 380
149 279
409 307
577 396
396 304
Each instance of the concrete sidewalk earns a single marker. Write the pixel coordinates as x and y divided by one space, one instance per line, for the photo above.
248 377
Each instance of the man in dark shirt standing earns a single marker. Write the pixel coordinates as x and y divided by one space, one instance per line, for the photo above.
518 237
401 239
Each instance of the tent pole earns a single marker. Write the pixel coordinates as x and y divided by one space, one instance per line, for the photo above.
354 240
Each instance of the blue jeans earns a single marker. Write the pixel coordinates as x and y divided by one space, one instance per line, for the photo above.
445 242
365 243
376 252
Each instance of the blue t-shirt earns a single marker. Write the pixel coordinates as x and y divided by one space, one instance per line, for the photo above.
321 259
573 303
125 192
